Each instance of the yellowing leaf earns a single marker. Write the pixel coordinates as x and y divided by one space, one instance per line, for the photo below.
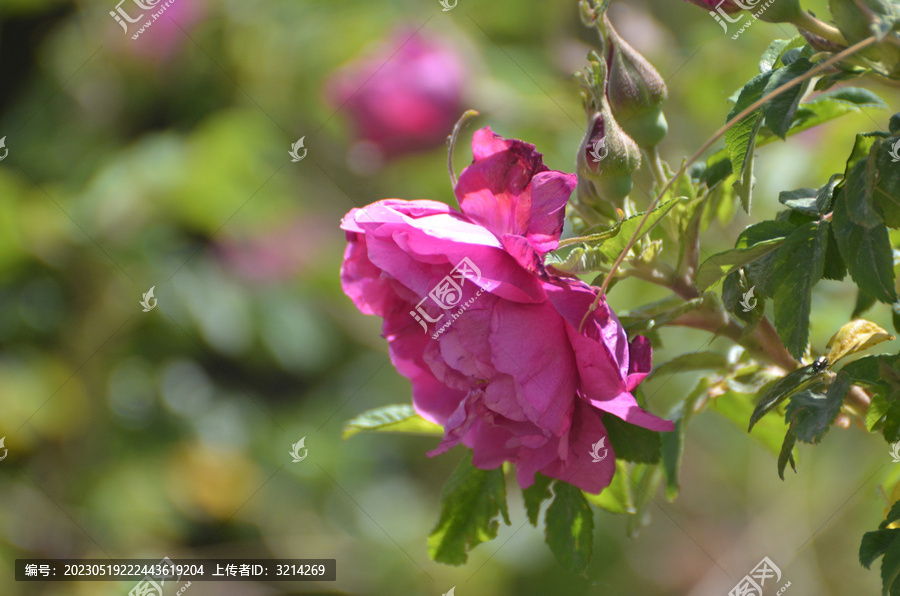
855 336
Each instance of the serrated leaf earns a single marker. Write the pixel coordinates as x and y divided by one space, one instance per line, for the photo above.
719 265
772 56
740 137
810 414
535 495
883 180
631 442
617 497
825 107
853 337
779 111
799 265
786 456
867 371
776 392
859 206
801 199
874 544
878 408
569 527
866 252
471 501
892 515
397 418
890 568
759 272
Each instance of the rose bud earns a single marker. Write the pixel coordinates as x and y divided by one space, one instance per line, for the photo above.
607 158
404 98
636 91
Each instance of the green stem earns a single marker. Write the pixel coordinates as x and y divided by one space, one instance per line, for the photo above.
820 28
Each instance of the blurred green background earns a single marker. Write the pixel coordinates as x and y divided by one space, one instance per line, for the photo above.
163 162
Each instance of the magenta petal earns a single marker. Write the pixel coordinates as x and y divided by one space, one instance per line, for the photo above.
640 362
550 193
576 466
624 406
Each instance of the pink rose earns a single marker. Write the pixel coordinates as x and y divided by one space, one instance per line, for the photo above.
404 98
728 6
504 369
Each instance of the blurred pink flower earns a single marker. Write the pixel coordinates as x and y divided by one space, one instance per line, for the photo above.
503 368
403 98
165 35
279 254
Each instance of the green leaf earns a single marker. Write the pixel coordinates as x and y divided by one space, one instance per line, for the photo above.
810 414
470 503
835 268
859 206
825 107
719 265
631 442
868 372
890 568
867 253
536 494
883 180
892 516
771 58
779 111
570 527
895 316
657 314
739 139
799 266
783 388
787 454
738 406
759 272
891 429
673 442
397 418
877 410
874 544
617 497
802 199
